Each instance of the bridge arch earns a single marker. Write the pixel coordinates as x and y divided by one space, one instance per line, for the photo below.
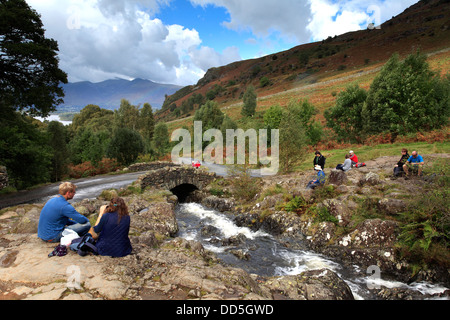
180 180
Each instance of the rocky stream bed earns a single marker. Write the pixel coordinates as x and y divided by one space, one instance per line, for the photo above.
167 265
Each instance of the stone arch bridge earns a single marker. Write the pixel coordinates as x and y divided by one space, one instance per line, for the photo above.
181 180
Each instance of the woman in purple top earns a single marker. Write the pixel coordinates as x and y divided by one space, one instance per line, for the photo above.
112 228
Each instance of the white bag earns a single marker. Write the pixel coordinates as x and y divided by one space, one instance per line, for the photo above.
67 236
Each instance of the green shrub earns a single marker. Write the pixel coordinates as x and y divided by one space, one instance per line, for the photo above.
297 205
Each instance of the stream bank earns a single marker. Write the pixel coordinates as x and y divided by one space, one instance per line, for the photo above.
164 265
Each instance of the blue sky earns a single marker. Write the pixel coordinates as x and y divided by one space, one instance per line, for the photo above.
177 41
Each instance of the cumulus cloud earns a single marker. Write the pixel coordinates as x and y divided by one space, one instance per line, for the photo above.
288 18
330 18
305 20
101 39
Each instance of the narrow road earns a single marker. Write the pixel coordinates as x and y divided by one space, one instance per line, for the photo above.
86 188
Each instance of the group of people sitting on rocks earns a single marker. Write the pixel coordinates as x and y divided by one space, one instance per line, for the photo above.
110 232
406 166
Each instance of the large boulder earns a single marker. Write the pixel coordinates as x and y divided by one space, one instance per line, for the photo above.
158 218
219 204
337 177
322 284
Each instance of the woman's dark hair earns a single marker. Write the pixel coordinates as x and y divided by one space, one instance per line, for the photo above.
317 152
119 205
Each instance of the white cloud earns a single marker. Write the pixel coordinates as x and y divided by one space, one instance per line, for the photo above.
305 20
101 39
265 17
330 18
207 57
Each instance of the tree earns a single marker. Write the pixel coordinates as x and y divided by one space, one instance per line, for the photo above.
292 139
147 124
127 116
93 117
406 97
272 118
125 146
57 134
313 129
345 117
249 99
29 74
210 115
87 145
24 151
161 140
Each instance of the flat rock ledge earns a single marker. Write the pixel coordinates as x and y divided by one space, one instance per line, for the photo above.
177 270
161 266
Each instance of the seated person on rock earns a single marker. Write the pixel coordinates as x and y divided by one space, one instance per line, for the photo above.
347 164
58 214
319 159
354 160
320 178
398 169
112 228
414 163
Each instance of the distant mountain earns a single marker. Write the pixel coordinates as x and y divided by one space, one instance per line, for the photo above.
108 94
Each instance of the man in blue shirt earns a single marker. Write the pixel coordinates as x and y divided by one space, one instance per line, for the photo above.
59 214
415 163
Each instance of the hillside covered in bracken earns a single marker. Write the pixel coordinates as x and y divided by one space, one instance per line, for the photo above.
319 70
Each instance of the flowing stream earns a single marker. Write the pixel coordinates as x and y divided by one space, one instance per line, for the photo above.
260 253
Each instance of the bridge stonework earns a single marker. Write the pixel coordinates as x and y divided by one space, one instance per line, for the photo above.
174 176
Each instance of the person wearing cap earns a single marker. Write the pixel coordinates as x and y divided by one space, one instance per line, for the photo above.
354 160
319 159
415 163
320 178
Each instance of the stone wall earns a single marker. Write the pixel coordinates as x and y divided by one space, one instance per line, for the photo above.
3 177
148 166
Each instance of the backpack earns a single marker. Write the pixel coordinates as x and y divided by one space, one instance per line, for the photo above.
84 245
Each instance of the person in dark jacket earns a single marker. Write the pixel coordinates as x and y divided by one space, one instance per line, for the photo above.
398 169
112 228
319 159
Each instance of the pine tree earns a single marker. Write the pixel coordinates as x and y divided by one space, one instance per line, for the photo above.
249 99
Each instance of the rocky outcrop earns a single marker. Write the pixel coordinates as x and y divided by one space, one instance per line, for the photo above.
321 284
354 218
219 204
160 266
